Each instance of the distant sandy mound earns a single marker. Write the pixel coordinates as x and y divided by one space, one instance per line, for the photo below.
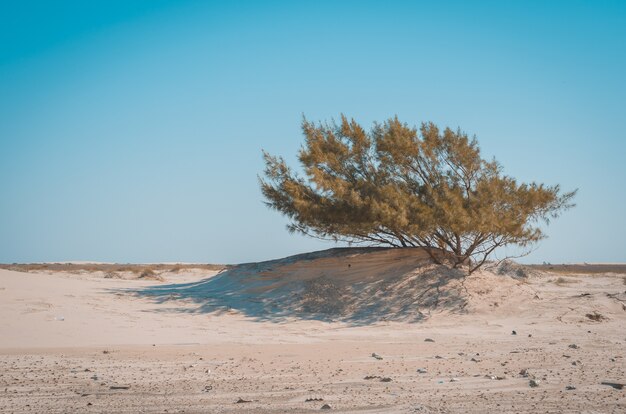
358 285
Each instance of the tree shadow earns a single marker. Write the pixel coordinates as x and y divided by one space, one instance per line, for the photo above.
348 285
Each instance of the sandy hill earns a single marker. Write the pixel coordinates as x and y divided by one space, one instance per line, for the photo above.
358 285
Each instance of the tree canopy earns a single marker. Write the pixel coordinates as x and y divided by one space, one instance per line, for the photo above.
401 186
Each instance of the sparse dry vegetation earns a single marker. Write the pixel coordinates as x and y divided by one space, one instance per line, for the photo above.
111 270
147 273
596 317
561 281
587 269
150 274
512 269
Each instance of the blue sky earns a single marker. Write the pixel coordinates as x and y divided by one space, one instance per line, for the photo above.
131 131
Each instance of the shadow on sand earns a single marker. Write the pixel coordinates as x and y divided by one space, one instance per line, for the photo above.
358 286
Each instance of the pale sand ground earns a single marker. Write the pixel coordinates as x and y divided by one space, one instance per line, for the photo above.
66 339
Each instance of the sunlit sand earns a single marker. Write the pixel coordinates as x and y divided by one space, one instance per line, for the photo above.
359 330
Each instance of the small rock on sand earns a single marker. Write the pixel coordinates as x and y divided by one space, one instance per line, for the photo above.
615 385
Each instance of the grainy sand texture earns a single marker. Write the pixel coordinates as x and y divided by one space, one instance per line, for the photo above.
344 330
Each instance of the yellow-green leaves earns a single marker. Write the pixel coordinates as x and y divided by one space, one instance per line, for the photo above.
407 187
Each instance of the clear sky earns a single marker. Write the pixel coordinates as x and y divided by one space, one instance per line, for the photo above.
131 131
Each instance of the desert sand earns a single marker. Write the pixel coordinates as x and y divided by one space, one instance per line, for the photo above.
344 330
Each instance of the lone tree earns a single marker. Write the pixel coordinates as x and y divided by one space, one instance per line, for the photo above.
403 187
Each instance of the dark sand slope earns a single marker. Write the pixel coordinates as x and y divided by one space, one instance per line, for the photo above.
359 286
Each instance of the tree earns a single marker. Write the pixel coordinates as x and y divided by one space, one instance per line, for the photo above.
403 187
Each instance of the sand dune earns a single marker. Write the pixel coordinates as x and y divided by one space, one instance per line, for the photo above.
358 286
355 285
297 333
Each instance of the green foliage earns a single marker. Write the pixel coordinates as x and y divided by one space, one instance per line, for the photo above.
400 186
